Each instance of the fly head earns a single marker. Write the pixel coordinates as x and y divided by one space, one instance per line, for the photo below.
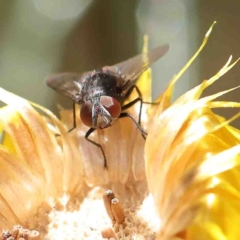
100 112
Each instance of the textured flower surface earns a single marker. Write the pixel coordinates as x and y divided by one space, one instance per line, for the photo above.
181 183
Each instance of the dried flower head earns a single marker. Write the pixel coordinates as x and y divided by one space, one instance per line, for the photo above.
179 184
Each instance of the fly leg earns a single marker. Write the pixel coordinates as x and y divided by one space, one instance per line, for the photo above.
138 99
125 114
74 118
128 105
74 121
88 133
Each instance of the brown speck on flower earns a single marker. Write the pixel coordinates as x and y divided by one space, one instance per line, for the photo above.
173 186
34 235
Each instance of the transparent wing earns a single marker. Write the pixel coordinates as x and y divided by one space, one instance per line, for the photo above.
64 83
132 68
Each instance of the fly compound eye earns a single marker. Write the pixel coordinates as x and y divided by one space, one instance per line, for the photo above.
111 105
86 113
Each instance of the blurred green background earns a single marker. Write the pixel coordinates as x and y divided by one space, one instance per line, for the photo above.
40 37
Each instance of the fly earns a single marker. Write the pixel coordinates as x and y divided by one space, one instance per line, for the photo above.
101 93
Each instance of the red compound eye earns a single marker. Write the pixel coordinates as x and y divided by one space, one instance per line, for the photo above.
111 105
86 113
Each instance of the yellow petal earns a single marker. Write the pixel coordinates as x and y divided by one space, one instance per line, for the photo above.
36 165
186 149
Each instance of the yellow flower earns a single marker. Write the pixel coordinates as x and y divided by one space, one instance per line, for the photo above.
182 183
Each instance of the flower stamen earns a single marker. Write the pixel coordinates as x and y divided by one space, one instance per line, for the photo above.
113 207
108 233
19 233
107 198
117 211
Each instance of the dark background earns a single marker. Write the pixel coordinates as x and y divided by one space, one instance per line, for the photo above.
39 37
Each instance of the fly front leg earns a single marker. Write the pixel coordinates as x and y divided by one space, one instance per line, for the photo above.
74 121
138 99
88 133
125 114
74 118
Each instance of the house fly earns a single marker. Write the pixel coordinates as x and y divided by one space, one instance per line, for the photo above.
101 93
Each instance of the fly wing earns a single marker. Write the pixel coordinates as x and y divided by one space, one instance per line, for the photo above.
64 83
132 68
